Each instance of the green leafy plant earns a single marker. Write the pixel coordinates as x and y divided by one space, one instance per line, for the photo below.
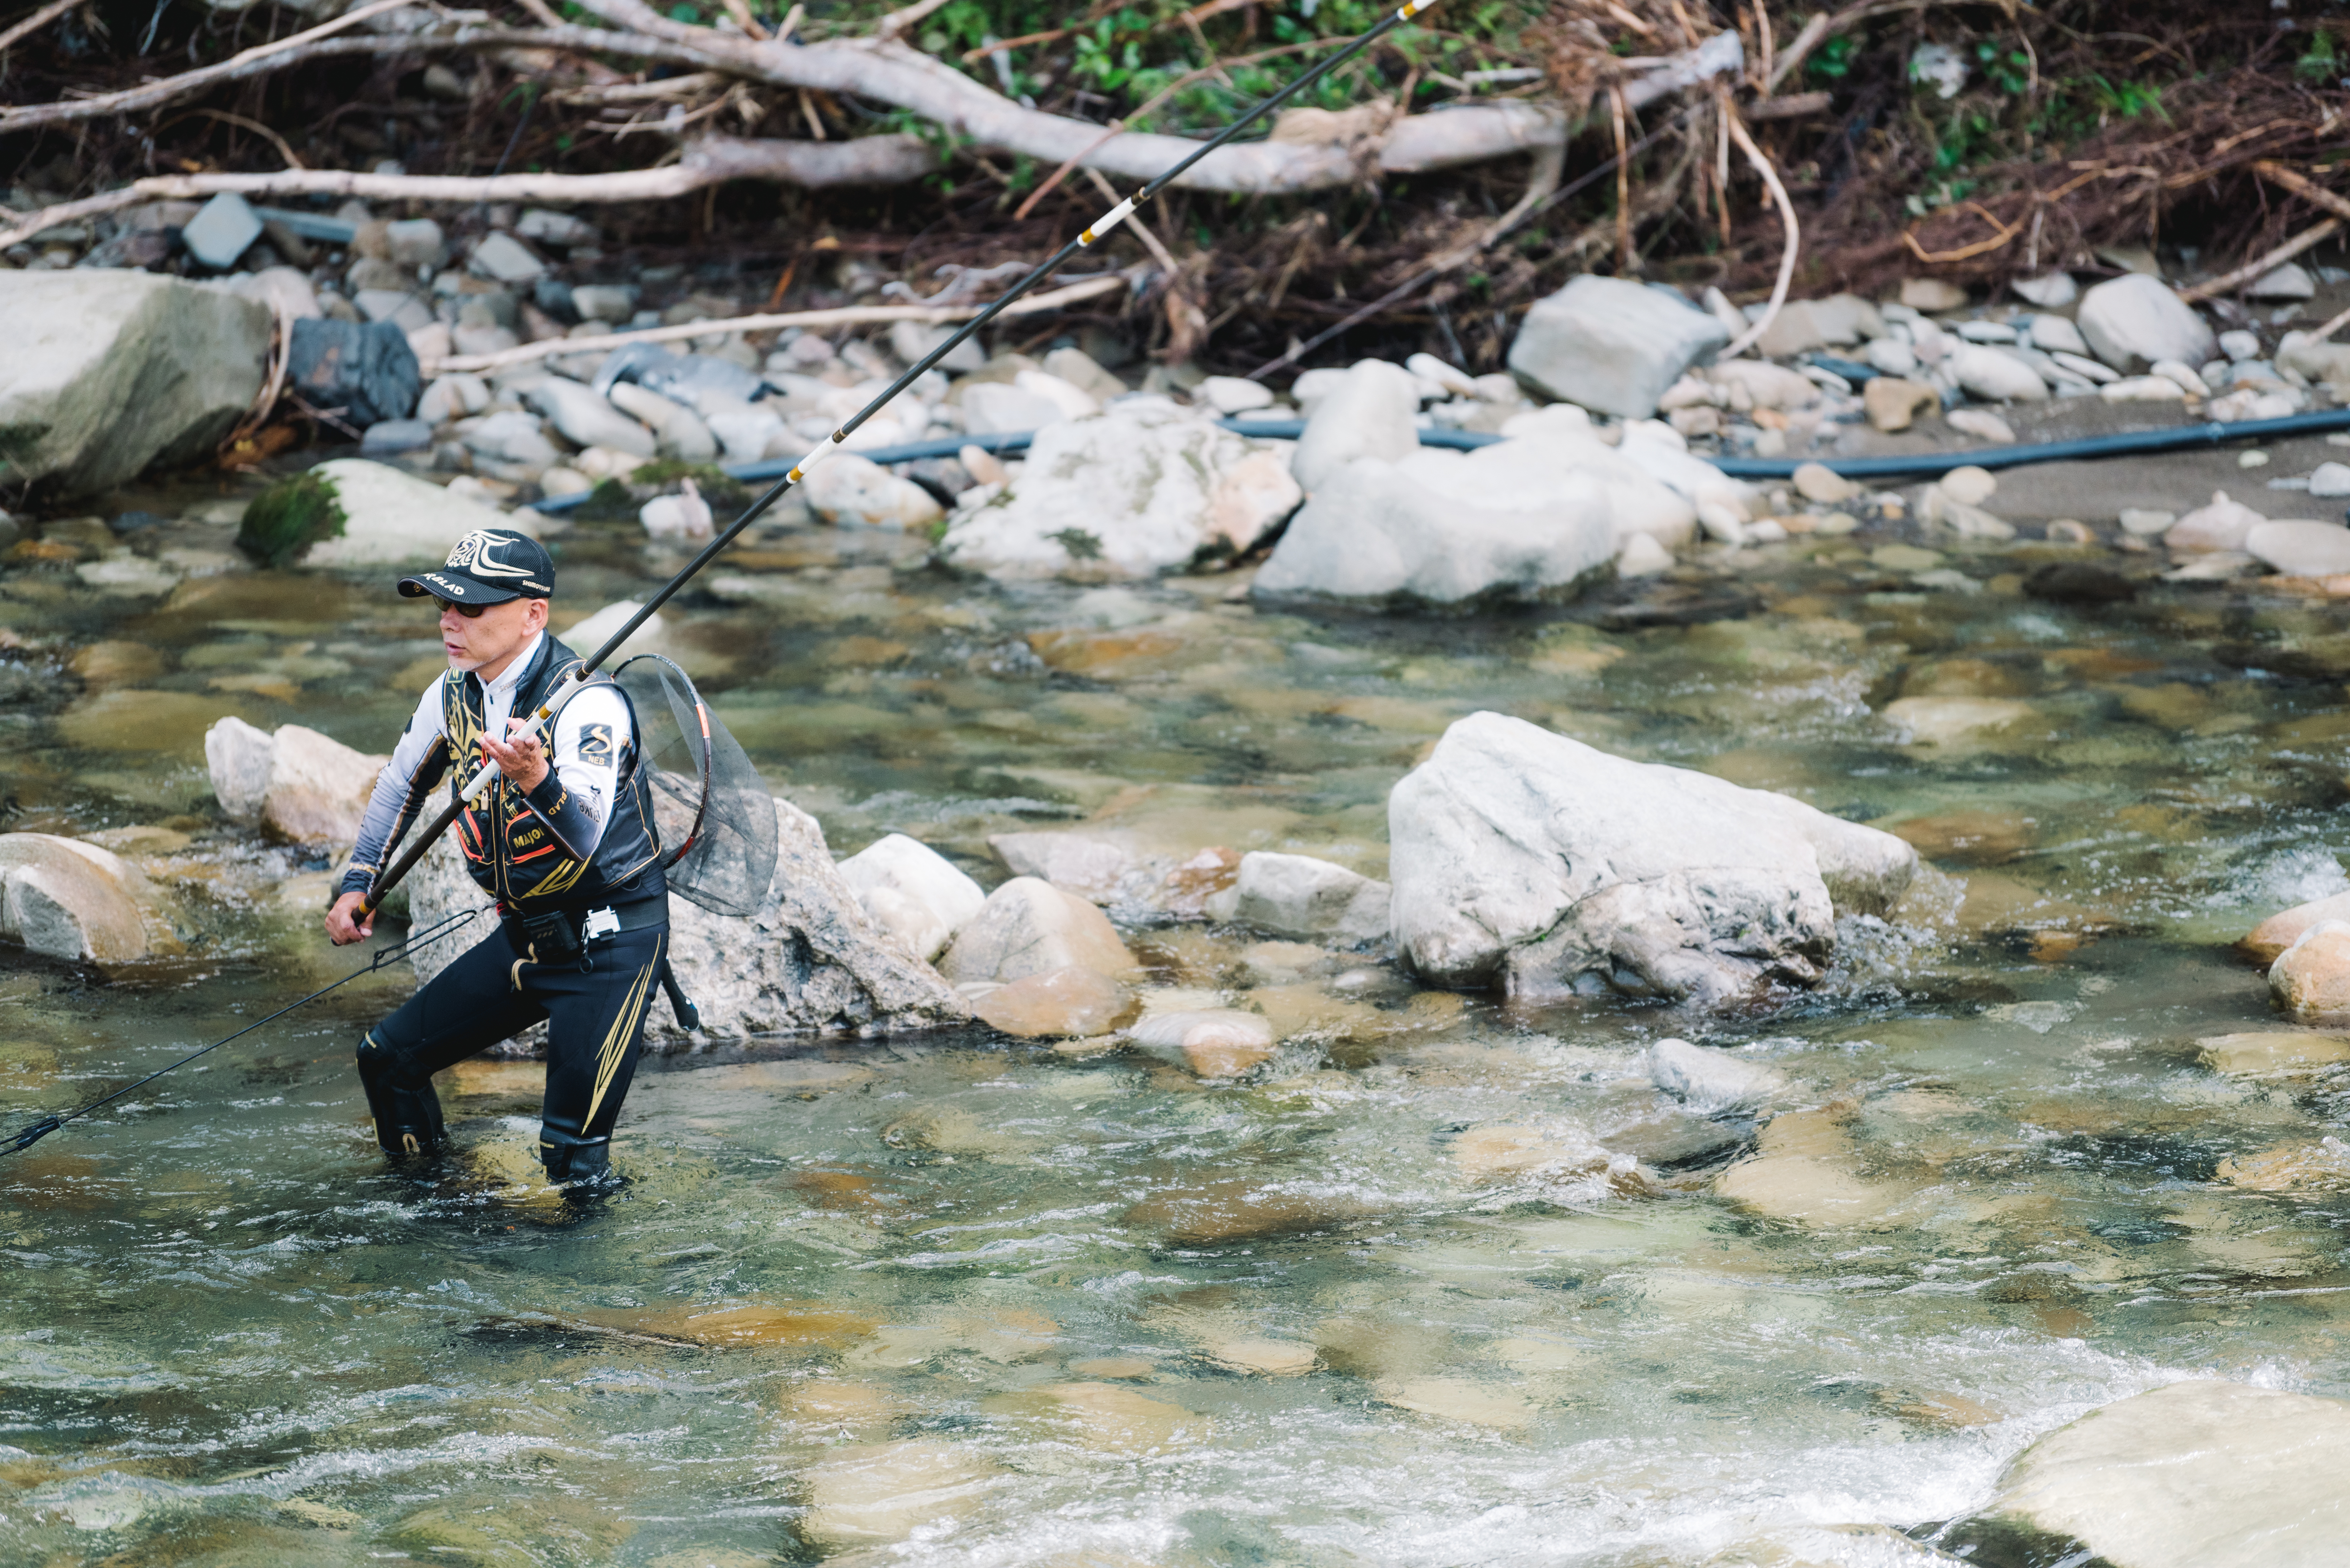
289 517
1832 61
2320 61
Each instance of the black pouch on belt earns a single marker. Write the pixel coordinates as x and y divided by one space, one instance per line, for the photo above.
554 939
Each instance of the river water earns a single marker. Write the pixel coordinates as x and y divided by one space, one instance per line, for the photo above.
948 1299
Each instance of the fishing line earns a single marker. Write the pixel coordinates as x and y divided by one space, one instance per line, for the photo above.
1097 230
26 1137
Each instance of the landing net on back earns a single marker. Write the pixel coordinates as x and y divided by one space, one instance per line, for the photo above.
715 817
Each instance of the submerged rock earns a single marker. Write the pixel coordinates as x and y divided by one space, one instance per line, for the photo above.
811 959
108 372
2197 1475
881 1492
1301 897
1066 1003
1611 346
1710 1082
1142 489
1528 860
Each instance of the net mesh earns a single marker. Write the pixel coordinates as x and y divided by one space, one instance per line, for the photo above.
713 811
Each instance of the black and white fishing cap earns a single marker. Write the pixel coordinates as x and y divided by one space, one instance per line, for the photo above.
489 567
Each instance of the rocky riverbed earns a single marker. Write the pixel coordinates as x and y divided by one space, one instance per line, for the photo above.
1717 1050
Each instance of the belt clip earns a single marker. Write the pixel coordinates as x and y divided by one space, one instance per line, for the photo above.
601 923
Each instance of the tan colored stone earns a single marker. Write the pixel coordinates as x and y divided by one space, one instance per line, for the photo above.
1486 1153
2311 979
1030 927
756 1327
2269 939
117 663
1972 837
1130 1368
1107 1416
2262 1051
77 901
1462 1399
1894 404
1264 1357
318 788
1818 482
1237 1208
1933 295
2291 1168
1067 1003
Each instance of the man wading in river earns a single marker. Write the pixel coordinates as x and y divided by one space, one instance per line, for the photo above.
565 845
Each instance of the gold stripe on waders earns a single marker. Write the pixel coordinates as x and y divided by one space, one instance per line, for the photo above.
615 1043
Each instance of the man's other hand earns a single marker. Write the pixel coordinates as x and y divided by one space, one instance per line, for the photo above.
519 757
345 924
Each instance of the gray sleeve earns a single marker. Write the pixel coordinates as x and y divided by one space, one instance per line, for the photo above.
418 762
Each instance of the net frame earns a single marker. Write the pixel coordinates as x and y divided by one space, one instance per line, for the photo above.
739 886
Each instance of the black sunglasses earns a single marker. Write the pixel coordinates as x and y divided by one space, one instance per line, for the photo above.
470 612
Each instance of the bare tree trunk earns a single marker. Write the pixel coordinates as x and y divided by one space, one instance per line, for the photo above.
868 160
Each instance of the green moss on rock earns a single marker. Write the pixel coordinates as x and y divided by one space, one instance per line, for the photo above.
289 517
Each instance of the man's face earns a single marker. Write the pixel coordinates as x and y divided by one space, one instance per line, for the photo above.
493 638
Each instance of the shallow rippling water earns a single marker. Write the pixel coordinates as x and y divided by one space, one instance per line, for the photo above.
950 1300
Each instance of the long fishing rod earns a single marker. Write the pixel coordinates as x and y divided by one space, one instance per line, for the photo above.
26 1137
1097 230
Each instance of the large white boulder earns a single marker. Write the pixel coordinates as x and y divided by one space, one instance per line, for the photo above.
1444 527
913 892
76 901
1612 347
1526 860
236 754
2133 320
318 788
378 516
303 787
1303 898
1367 412
1142 489
811 959
1558 444
106 372
2195 1475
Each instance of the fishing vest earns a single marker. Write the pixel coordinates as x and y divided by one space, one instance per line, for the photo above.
508 849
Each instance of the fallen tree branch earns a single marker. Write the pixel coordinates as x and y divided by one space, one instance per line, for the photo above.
289 52
36 21
1762 166
868 160
2300 185
846 316
2262 265
889 72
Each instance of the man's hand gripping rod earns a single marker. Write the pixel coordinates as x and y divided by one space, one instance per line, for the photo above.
1099 229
